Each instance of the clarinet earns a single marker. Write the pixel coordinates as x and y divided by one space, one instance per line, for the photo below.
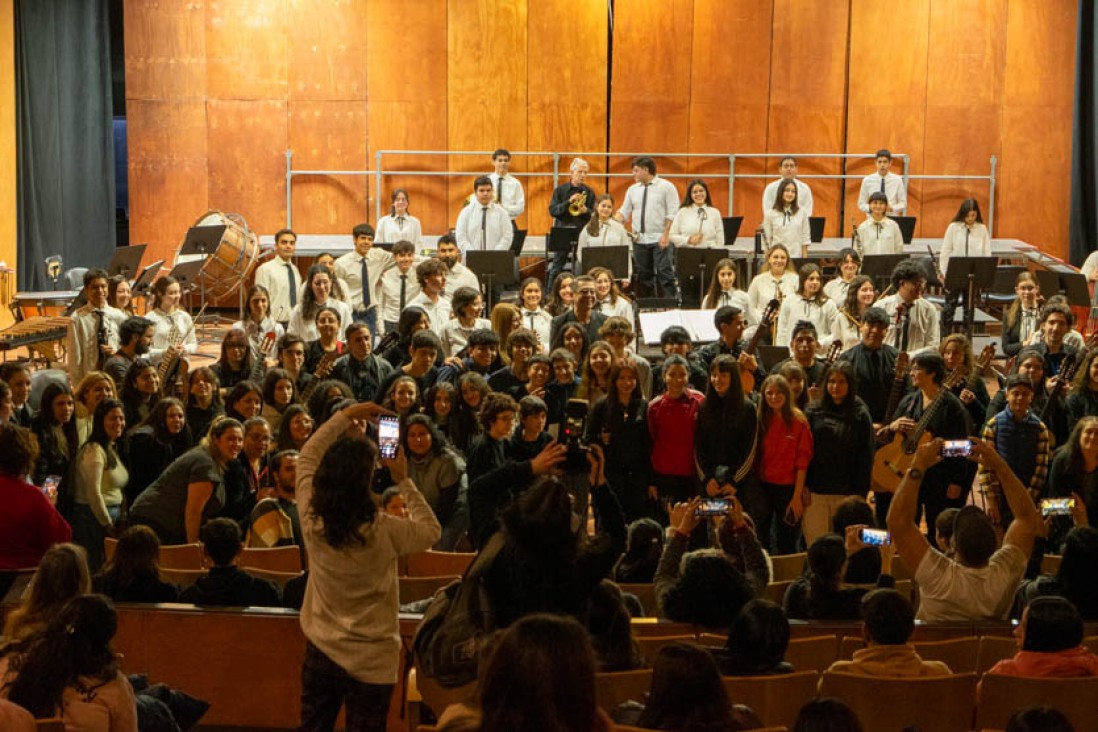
102 338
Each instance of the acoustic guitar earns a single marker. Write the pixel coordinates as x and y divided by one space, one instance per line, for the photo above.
747 379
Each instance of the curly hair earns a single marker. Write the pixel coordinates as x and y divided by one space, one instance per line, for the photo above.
341 491
709 591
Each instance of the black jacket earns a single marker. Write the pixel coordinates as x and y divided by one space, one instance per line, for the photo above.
232 587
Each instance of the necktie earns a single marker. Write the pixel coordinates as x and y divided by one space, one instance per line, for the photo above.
906 330
400 223
499 190
484 228
291 281
644 206
403 290
365 284
100 337
967 232
882 184
878 231
532 314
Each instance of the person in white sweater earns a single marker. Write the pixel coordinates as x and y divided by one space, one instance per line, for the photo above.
775 283
603 230
878 233
697 223
809 303
966 235
787 223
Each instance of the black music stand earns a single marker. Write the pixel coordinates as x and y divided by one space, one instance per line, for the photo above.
907 227
879 267
494 269
188 274
144 280
1072 285
202 240
969 275
384 245
693 265
816 228
561 240
615 259
126 261
732 226
517 240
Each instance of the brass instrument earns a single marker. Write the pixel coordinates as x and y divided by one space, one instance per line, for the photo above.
578 207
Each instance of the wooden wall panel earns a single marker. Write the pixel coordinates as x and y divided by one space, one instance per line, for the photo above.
406 67
327 59
566 96
886 94
247 49
247 144
807 94
650 105
1038 101
327 135
486 88
964 104
165 49
728 96
168 173
8 207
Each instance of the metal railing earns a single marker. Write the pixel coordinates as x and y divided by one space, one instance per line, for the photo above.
379 172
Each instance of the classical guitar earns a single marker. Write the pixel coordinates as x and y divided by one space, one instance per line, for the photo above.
768 314
833 352
893 460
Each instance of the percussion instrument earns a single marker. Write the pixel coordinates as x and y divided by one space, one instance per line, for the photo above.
42 334
45 303
228 264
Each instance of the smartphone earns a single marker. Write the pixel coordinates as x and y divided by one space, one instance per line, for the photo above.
712 507
49 487
388 436
1057 506
956 448
876 537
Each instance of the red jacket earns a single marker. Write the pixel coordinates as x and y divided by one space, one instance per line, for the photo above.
1069 663
783 451
671 423
29 525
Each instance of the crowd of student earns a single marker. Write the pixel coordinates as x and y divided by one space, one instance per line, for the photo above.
275 444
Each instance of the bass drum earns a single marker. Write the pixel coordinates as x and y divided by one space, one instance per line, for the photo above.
230 263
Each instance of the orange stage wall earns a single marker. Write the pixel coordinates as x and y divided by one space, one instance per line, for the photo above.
218 90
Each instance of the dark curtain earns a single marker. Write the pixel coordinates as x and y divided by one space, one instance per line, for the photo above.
64 136
1084 187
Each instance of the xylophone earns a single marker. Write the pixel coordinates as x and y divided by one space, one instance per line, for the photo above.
35 333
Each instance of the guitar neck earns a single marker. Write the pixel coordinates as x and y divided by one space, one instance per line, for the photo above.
928 414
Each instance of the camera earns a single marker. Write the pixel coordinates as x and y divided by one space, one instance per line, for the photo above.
573 435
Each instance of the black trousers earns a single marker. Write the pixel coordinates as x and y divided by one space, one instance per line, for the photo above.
325 687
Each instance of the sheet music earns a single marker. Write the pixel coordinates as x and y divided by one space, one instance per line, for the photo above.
698 323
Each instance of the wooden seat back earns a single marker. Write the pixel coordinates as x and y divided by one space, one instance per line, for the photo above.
275 558
437 564
646 593
650 645
787 566
892 703
613 689
413 589
1001 696
776 699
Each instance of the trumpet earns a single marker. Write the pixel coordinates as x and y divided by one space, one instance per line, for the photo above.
578 206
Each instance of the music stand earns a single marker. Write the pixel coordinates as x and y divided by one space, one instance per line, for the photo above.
202 240
517 241
771 356
692 263
126 261
384 245
732 226
879 267
562 240
969 275
816 228
1072 285
907 227
144 280
615 259
500 268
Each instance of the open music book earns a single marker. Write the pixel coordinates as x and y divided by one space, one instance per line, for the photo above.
698 323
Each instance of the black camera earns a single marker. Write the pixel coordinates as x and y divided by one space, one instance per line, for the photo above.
573 435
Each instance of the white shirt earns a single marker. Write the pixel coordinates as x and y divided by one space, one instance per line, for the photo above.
894 189
483 228
437 312
455 336
736 299
306 329
389 294
660 207
821 315
272 275
391 229
348 269
82 342
540 322
837 290
690 221
954 242
764 288
258 331
804 195
622 308
163 323
924 331
845 331
880 237
949 591
459 276
611 234
509 194
789 229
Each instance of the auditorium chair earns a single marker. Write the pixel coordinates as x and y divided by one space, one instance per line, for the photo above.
1050 564
787 566
437 564
776 699
1001 696
53 724
994 648
645 627
960 654
413 589
275 559
181 556
650 645
893 703
615 688
646 593
811 653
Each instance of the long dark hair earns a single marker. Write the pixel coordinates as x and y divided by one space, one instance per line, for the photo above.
553 304
846 368
99 431
158 420
1078 572
241 390
438 440
826 558
285 440
309 305
75 644
236 335
43 421
716 409
540 523
850 304
969 204
612 397
713 296
136 557
779 199
341 491
687 692
129 393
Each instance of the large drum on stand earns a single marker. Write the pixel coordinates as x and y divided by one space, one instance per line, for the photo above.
229 261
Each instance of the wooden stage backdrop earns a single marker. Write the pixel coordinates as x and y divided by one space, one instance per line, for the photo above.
218 90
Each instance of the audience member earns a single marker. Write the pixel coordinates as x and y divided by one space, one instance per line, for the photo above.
275 520
439 473
756 643
155 444
61 575
99 483
132 574
643 548
29 524
1050 643
226 584
1039 719
824 714
820 595
1077 578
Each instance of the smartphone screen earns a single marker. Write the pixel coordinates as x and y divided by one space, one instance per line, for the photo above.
956 448
875 537
388 436
712 507
1057 506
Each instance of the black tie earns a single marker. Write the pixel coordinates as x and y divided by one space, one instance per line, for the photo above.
967 232
365 285
882 184
499 190
403 290
400 224
292 283
100 337
878 231
484 228
532 320
644 206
